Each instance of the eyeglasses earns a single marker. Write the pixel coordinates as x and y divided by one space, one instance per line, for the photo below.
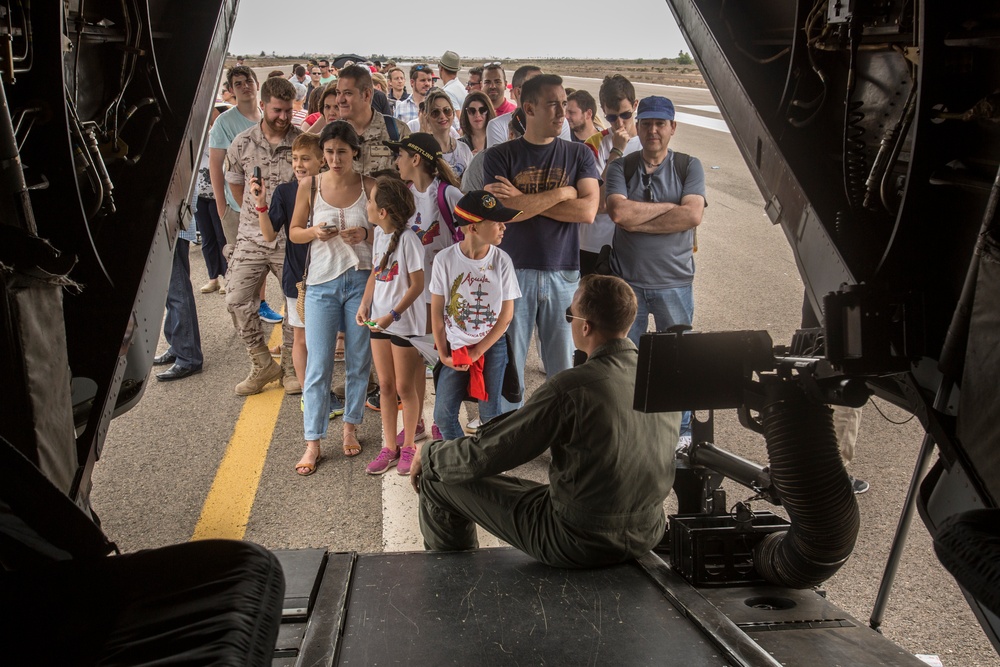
647 184
613 117
324 67
314 73
421 68
570 316
476 111
495 63
446 112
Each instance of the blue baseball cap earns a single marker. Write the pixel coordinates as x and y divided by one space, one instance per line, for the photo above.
655 107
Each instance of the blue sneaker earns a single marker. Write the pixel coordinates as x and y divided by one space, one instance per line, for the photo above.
268 315
336 407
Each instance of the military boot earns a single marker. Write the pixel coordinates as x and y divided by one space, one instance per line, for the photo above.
288 379
263 370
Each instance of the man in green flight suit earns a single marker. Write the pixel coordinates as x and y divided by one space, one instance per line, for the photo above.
612 467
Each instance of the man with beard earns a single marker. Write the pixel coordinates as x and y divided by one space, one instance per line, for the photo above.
581 108
496 129
421 79
267 146
495 87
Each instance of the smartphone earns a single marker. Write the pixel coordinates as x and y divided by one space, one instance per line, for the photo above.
256 173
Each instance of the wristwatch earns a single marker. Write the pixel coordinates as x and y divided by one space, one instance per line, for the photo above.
395 315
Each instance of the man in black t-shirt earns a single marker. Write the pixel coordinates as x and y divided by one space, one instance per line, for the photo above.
555 183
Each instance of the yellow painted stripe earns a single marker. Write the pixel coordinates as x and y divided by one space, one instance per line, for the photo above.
227 508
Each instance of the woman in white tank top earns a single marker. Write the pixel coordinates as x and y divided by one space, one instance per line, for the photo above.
330 216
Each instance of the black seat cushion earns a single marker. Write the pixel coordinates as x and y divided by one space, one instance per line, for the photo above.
214 602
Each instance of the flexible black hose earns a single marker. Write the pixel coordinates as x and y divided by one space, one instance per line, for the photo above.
809 476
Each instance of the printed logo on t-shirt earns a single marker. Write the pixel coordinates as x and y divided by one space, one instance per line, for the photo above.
428 235
534 180
389 274
470 316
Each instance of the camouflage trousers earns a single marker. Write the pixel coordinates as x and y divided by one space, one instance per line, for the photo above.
248 269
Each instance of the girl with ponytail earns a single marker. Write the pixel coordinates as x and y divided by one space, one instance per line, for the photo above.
393 309
435 192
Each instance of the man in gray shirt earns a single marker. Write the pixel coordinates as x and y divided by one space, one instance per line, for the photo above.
656 198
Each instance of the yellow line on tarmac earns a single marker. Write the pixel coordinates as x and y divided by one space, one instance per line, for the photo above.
227 508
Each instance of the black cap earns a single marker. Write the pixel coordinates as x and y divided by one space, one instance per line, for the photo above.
480 205
421 143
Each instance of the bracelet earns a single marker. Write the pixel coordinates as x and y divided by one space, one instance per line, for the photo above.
366 234
261 209
395 315
615 149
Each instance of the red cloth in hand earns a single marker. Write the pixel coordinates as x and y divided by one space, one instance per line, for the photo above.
477 384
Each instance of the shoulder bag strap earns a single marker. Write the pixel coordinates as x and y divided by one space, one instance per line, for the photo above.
312 196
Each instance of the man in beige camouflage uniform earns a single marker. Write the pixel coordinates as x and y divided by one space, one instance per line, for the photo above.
267 145
354 101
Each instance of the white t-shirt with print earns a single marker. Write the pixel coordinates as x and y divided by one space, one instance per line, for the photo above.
474 291
391 284
601 233
427 223
459 158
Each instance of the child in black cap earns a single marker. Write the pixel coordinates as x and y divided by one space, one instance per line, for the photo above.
473 288
435 191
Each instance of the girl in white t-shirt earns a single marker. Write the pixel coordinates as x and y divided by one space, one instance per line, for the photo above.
473 288
420 162
393 310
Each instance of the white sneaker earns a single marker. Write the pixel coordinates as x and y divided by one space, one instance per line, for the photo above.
472 426
683 442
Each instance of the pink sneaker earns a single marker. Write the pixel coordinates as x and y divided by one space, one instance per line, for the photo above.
421 434
405 460
436 432
385 460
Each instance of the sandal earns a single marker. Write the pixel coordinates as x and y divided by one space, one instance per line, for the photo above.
351 447
309 468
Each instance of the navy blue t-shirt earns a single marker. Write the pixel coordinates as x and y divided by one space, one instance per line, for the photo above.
541 243
282 205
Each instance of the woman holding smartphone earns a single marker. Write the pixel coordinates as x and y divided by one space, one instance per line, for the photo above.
330 215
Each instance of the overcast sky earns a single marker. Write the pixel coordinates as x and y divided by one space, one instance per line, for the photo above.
505 29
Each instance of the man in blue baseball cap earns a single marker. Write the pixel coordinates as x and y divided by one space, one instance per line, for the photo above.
656 198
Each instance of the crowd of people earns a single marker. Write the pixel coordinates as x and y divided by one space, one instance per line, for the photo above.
404 211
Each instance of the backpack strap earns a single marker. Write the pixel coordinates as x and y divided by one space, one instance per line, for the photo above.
390 127
446 215
681 162
631 165
309 223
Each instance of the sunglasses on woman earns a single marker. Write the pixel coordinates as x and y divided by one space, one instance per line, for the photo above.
476 111
624 115
446 112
